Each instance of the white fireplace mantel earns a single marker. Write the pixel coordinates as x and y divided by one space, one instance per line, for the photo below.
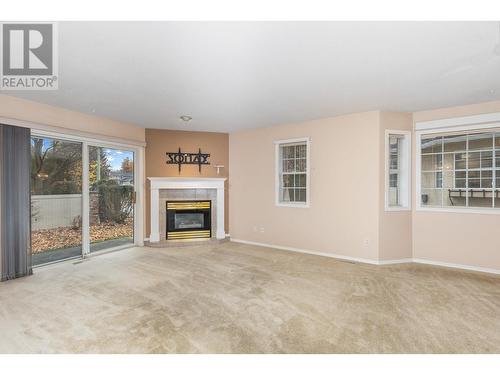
159 183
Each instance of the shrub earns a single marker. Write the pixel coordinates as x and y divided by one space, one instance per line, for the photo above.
115 201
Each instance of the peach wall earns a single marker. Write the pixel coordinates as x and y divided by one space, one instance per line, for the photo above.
395 241
459 238
158 142
344 212
66 120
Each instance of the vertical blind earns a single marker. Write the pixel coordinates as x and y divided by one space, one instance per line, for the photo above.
15 210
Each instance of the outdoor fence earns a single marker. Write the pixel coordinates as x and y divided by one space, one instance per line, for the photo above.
54 211
110 203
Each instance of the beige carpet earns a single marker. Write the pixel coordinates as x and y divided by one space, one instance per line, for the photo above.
233 298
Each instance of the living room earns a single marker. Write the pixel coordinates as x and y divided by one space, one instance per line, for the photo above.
251 187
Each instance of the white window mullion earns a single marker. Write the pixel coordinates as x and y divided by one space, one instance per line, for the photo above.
442 170
494 172
467 171
85 201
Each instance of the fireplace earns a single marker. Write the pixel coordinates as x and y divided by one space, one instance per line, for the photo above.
188 220
179 189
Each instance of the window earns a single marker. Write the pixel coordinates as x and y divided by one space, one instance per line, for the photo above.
82 197
292 172
397 170
460 169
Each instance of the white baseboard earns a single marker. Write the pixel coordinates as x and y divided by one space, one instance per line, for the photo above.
329 255
371 261
395 261
459 266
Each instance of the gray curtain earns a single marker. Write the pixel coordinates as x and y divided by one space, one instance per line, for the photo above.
15 207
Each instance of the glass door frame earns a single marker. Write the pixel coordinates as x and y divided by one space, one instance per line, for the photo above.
138 185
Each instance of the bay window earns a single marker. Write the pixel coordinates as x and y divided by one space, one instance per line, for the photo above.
460 169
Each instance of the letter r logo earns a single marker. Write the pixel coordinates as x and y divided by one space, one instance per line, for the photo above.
27 49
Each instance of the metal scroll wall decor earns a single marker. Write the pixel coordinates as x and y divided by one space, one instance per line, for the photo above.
180 158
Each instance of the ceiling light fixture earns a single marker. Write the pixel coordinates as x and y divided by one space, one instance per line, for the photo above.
186 118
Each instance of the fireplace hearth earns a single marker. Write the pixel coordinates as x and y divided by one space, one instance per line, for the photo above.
188 220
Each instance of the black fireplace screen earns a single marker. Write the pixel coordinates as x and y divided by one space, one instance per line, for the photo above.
188 219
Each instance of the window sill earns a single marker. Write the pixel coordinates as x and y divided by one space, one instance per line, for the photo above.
397 209
487 211
295 205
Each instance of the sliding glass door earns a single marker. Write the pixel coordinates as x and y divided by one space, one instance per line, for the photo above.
56 199
111 197
82 198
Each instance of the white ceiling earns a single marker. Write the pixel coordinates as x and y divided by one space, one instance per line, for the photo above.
230 76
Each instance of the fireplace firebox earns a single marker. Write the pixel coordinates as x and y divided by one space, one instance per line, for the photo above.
189 219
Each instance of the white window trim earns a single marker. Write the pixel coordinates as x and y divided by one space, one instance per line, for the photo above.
462 124
277 169
404 168
484 121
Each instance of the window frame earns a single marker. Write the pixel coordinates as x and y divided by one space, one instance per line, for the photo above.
91 140
278 172
404 170
471 124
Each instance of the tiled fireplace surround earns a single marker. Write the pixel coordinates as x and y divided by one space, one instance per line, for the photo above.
165 189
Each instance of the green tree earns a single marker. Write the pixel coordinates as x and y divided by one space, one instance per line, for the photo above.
56 167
